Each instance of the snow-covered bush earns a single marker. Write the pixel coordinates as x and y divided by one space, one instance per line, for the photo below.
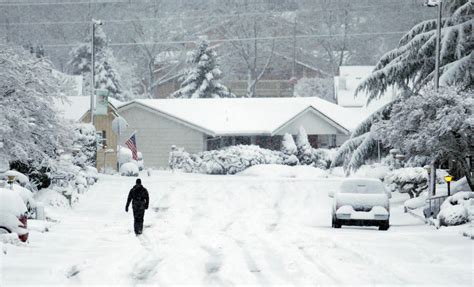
91 174
129 169
411 180
454 210
288 148
124 155
229 160
140 162
307 155
86 141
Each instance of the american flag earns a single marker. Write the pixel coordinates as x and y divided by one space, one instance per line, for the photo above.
132 145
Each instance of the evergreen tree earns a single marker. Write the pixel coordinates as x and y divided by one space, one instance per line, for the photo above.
201 80
412 64
305 151
410 67
106 76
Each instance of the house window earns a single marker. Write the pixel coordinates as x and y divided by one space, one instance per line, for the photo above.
101 139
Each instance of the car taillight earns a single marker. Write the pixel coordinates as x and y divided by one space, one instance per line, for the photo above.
24 220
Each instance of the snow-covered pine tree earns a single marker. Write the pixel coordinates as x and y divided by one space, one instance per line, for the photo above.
201 79
305 151
289 149
106 76
85 138
410 67
412 64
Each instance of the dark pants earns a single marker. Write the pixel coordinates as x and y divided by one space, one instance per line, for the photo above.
138 214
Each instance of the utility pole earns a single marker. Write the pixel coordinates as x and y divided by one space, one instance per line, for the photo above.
438 39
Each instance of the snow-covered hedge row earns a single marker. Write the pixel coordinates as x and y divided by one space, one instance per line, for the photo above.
229 160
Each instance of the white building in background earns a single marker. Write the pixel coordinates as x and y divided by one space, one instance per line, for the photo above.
346 83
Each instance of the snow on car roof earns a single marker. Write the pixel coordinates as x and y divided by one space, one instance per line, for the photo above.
11 202
250 116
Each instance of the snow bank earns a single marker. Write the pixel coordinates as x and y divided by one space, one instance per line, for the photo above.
460 185
51 197
276 170
129 169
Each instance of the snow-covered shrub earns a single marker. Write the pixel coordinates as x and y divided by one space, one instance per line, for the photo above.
124 155
229 160
288 147
181 160
86 141
454 210
129 169
91 174
305 150
52 196
411 180
307 155
140 162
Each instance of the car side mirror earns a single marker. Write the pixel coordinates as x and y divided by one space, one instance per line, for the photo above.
331 193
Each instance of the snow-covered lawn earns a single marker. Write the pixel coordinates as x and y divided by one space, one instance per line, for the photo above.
228 230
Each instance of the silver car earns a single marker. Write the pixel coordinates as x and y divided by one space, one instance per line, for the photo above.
362 202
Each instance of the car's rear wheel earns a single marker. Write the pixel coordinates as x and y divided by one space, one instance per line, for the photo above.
384 225
335 223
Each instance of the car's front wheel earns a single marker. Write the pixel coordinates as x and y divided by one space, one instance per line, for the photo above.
384 225
335 223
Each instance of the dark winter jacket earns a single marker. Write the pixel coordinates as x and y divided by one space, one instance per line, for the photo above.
139 197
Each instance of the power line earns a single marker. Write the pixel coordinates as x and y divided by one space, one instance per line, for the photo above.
14 4
230 39
179 15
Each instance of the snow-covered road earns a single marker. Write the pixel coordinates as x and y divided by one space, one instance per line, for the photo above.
230 230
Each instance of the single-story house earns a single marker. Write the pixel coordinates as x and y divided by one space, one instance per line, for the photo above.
76 109
206 124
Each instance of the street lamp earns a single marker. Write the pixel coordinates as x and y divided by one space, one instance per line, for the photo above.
439 4
95 23
448 178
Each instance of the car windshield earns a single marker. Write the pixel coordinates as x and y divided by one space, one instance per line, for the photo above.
362 187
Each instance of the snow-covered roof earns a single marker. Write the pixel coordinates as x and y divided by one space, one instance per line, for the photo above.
74 108
346 83
244 116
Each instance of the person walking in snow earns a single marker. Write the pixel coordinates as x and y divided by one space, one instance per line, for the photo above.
138 195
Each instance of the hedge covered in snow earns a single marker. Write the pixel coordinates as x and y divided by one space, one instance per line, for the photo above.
455 209
229 160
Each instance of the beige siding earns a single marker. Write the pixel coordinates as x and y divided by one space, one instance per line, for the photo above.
104 123
156 134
